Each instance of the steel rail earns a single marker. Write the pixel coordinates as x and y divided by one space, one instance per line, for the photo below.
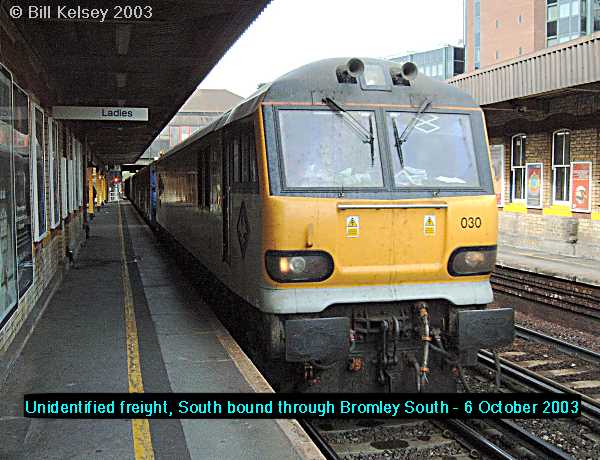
562 345
478 440
539 382
545 447
576 297
328 452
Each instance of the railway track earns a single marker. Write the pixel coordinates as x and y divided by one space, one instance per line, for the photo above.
406 439
570 296
562 345
558 372
461 439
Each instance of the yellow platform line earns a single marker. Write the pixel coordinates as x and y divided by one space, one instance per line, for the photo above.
142 441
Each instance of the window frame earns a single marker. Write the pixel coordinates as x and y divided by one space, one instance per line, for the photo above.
64 173
8 309
566 166
37 236
522 167
388 116
30 184
54 171
380 149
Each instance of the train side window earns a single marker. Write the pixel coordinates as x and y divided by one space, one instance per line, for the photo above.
245 169
200 178
236 160
253 170
206 181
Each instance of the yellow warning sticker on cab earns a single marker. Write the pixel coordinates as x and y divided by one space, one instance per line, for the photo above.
352 227
429 225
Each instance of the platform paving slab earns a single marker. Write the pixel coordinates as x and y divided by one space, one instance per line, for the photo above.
79 345
564 267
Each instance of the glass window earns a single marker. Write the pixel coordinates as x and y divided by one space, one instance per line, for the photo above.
173 136
186 131
55 175
374 75
236 158
551 29
518 160
322 149
21 145
8 272
561 165
575 24
438 152
564 10
207 177
244 159
38 154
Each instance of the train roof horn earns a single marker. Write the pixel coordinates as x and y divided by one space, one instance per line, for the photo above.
355 66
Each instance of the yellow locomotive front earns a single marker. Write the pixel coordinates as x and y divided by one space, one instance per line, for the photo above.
379 228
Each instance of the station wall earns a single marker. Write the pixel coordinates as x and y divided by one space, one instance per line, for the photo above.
43 191
555 226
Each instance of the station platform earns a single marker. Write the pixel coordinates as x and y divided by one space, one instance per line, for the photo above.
124 298
558 266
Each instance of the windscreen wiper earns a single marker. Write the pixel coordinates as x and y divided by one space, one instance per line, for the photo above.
399 140
368 137
398 143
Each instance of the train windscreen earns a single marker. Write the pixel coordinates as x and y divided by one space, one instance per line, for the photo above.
432 150
322 149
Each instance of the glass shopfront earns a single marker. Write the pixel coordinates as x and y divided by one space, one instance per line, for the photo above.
8 272
21 145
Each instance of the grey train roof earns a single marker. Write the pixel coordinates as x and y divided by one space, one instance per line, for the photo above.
311 82
308 82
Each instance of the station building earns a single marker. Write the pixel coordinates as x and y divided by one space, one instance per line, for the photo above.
542 112
54 168
441 63
202 108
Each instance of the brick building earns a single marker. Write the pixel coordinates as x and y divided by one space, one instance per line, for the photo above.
201 109
43 192
542 112
496 31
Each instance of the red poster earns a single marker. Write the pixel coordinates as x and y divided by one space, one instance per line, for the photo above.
581 186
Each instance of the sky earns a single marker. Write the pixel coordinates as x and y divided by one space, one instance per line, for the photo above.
291 33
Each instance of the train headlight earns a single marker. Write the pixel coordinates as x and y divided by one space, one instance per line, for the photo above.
472 261
299 266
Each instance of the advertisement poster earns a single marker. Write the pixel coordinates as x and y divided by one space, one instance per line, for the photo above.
498 168
581 186
534 195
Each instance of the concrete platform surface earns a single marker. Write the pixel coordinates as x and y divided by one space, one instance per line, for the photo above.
564 267
80 345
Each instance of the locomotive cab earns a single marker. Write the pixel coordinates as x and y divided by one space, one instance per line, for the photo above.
350 207
380 228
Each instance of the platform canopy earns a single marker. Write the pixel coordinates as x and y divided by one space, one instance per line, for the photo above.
152 62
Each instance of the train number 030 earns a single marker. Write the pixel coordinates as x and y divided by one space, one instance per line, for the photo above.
470 222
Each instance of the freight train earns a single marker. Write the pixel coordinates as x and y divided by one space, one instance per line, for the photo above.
350 206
